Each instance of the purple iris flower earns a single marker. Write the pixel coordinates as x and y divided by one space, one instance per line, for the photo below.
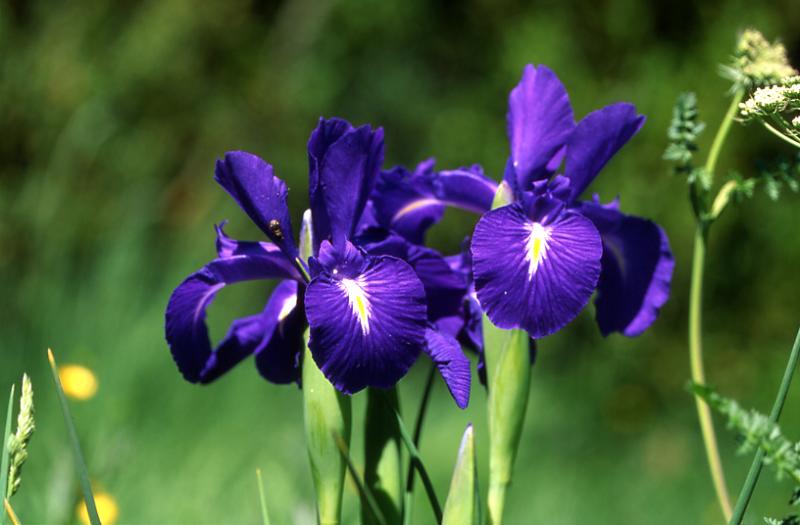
537 261
366 304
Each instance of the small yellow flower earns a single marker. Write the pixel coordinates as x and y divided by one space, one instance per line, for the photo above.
78 382
107 509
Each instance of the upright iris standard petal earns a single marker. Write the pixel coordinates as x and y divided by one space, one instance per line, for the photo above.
446 354
531 275
540 120
597 138
327 132
347 174
186 330
367 328
278 353
252 183
636 270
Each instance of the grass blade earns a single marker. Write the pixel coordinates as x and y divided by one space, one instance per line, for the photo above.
262 498
5 458
416 460
80 464
10 512
366 495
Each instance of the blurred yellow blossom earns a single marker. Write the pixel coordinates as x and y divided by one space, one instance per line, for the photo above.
107 509
78 382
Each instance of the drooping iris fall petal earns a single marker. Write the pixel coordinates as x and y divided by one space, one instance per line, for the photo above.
367 321
278 353
636 269
186 331
531 275
453 365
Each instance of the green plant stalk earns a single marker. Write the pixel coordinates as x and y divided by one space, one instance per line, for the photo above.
695 320
507 359
758 461
423 409
367 499
383 462
507 355
416 460
80 463
262 498
326 412
5 456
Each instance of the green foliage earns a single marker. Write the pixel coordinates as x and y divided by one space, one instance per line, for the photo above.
18 441
683 132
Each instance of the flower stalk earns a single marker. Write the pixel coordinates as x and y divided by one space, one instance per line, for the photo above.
383 466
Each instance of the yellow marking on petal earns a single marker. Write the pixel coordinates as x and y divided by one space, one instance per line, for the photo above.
536 247
359 302
78 382
107 509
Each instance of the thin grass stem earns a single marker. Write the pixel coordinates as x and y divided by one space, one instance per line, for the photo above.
363 490
416 460
758 461
10 511
5 457
262 498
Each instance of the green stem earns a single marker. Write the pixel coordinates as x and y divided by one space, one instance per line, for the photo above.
698 372
780 135
383 464
423 409
722 133
758 460
696 322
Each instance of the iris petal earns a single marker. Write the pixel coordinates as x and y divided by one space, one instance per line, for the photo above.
253 185
410 203
636 270
367 329
186 331
540 120
452 364
278 353
533 276
345 163
597 138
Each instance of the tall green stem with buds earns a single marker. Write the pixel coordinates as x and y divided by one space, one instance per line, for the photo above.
383 466
695 312
507 355
327 414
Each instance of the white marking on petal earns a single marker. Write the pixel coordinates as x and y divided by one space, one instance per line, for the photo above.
359 302
289 304
536 246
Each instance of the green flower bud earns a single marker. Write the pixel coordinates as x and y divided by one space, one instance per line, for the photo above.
461 507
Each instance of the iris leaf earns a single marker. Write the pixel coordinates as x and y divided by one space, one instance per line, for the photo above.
461 507
80 464
363 490
416 460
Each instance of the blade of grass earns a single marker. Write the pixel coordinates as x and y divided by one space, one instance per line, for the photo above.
363 490
262 498
423 409
80 464
11 513
416 460
758 461
5 458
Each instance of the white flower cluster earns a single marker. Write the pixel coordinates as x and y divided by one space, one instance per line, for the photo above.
771 100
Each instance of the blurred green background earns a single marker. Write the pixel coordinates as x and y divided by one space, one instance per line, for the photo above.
112 114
